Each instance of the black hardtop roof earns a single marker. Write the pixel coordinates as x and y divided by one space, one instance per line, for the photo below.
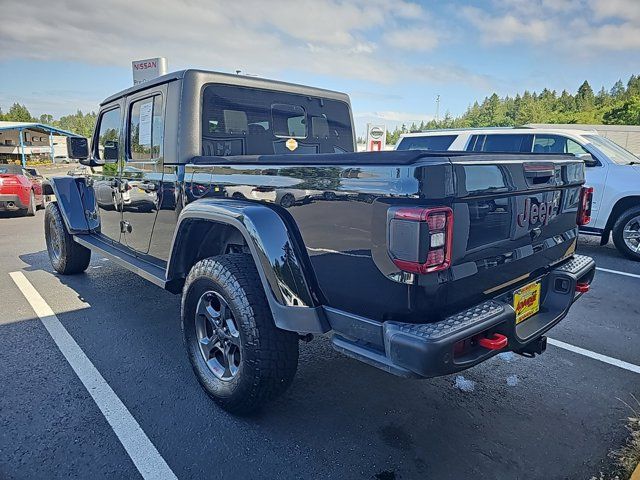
232 79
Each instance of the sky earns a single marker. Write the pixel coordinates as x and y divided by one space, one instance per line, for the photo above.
393 57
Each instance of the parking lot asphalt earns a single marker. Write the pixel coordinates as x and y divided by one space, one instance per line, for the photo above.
553 417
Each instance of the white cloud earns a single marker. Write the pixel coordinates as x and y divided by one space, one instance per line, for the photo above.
579 27
621 9
391 116
507 28
417 39
328 37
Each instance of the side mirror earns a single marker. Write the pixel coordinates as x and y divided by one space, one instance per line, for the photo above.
78 148
589 160
110 152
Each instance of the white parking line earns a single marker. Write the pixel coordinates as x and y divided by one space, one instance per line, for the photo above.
596 356
634 275
144 454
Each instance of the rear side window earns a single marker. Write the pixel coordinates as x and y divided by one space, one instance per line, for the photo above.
108 131
249 121
503 142
431 142
146 129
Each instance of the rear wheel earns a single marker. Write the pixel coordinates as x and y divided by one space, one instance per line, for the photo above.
67 256
287 201
626 233
240 357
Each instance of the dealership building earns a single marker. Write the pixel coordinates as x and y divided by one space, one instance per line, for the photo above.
25 142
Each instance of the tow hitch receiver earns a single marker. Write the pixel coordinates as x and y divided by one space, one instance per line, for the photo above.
496 342
534 348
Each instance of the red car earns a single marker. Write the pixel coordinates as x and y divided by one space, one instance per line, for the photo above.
20 190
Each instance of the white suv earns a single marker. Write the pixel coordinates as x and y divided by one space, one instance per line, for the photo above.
612 171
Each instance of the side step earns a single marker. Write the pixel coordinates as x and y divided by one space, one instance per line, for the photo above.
146 270
370 356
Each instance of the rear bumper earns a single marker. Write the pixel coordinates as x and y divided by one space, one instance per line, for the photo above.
11 202
451 345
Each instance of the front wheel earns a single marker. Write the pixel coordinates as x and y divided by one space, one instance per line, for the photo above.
241 359
626 233
67 257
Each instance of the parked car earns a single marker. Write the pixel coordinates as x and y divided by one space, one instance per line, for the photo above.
612 171
433 262
20 190
61 159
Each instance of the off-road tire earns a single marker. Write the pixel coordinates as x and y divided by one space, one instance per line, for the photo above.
618 232
269 355
67 257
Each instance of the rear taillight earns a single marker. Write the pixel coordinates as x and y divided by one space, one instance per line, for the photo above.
10 180
584 209
420 238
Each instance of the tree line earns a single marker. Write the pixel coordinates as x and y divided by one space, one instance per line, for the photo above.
79 123
620 105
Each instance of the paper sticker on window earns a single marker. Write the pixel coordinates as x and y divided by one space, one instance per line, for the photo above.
146 113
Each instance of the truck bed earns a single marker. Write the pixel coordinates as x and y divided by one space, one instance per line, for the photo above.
340 208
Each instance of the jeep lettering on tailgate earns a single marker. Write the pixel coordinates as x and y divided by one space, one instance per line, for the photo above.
533 213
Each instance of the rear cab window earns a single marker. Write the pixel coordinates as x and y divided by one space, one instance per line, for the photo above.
431 142
249 121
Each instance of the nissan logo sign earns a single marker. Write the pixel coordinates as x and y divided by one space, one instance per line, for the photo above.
376 132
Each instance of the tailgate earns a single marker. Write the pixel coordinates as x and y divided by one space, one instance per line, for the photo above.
514 216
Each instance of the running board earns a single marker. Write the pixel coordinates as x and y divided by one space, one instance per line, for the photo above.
146 270
369 355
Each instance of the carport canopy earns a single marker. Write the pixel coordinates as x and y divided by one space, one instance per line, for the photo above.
20 127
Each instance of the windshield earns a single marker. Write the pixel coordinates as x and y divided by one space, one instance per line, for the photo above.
612 150
10 169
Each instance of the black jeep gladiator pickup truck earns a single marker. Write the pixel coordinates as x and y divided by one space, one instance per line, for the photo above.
245 196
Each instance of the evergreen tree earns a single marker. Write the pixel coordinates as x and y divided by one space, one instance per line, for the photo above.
618 90
585 98
18 113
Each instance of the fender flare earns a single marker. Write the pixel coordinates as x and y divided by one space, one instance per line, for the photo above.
276 251
72 195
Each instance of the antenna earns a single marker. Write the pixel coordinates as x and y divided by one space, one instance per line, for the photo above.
437 107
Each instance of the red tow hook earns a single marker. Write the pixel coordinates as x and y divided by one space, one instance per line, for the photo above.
582 287
496 342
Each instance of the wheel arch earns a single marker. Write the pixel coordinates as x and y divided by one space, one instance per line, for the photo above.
619 207
211 227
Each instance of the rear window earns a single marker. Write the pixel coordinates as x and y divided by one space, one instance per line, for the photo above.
510 143
431 142
249 121
10 170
